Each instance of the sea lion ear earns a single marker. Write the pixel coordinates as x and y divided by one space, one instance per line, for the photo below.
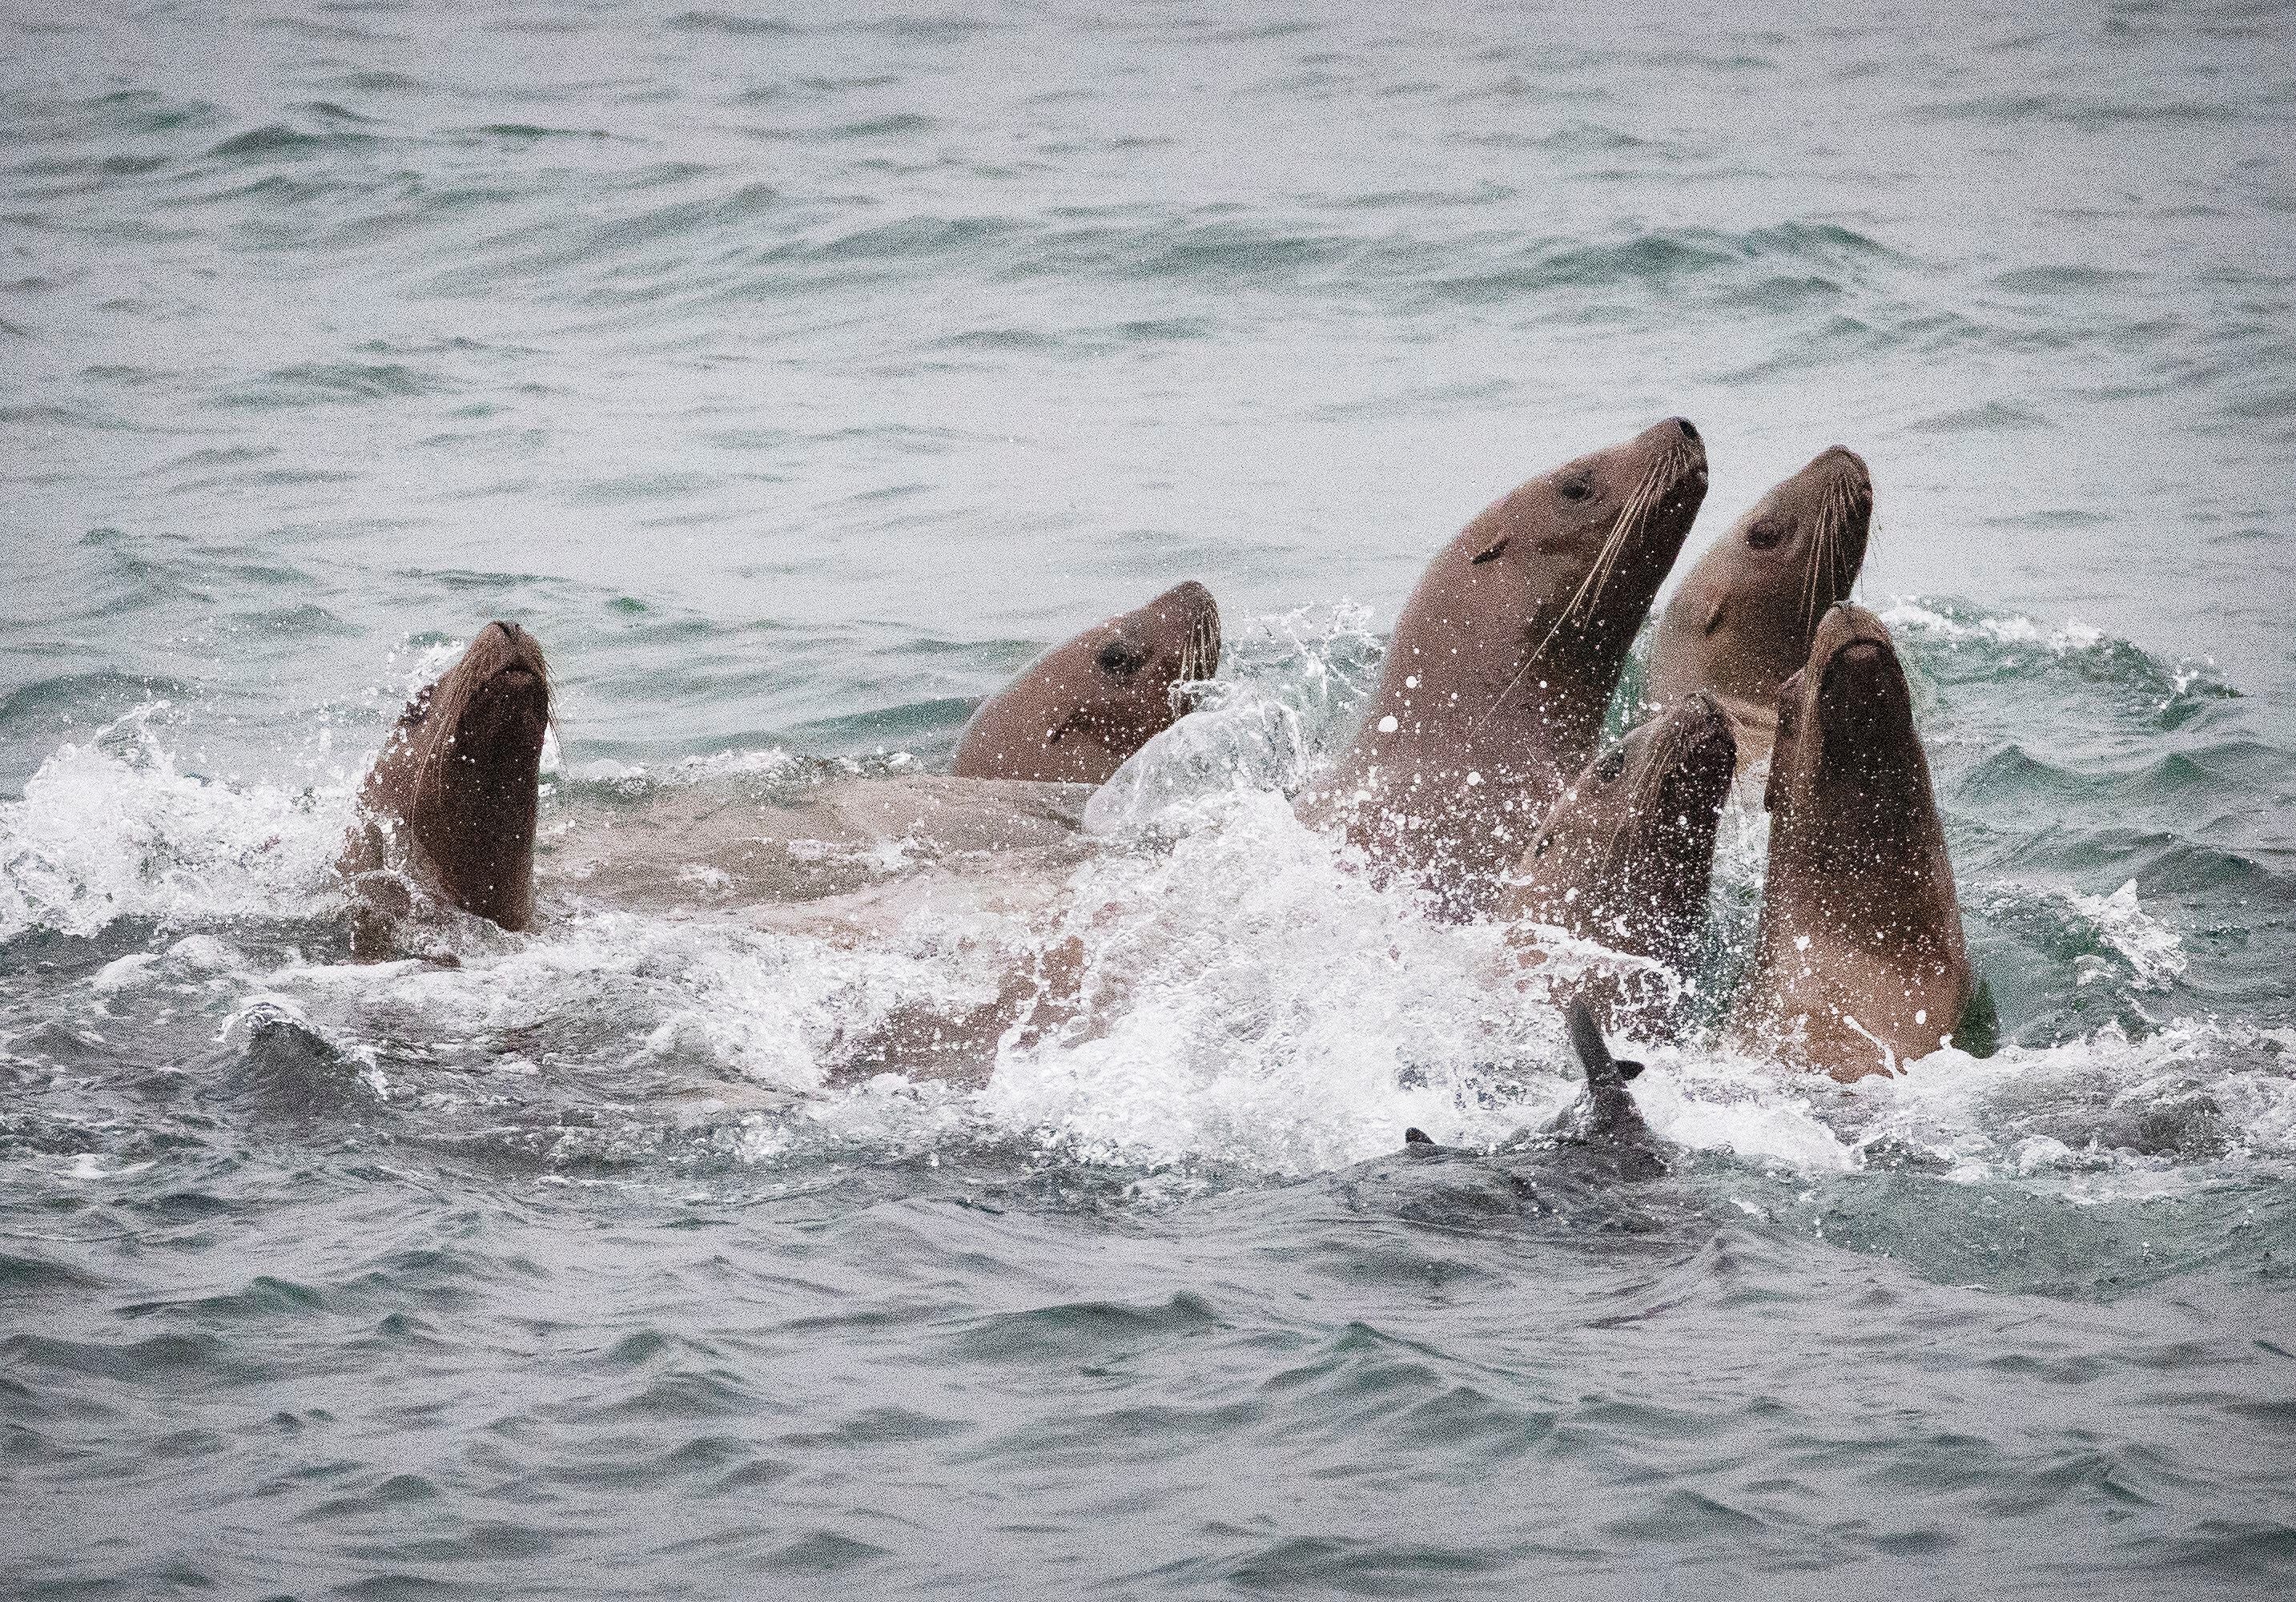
1416 1138
1628 1068
1497 544
1717 612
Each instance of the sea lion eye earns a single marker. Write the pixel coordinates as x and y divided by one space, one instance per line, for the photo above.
1614 763
1765 534
1577 488
1121 659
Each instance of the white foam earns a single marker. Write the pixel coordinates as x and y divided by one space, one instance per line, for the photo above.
2153 952
1247 996
115 829
1908 615
1246 740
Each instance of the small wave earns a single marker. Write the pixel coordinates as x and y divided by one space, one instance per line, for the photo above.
2095 934
319 384
732 24
1666 258
2011 643
276 141
2149 947
381 82
308 621
892 126
130 111
530 131
1993 417
95 698
2079 111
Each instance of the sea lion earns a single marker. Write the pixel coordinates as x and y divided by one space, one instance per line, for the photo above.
1627 856
448 809
1501 665
1744 618
1859 962
1075 713
1571 1169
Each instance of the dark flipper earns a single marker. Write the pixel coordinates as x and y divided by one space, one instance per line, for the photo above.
1607 1113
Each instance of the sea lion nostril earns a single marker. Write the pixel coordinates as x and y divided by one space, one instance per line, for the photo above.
1689 431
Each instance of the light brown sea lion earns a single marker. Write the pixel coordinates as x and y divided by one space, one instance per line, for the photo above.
448 809
726 845
1859 963
1626 857
1075 713
1501 666
1744 618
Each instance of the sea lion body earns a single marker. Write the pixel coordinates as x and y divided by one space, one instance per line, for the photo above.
1503 663
727 845
1744 618
449 807
1074 714
1859 959
1626 858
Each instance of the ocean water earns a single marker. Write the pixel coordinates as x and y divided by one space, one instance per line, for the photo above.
795 372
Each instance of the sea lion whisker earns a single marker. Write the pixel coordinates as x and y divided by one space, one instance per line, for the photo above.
1639 507
1810 573
1634 512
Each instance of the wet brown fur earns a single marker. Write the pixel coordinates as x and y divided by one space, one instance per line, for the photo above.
1744 618
1860 955
1627 856
449 806
1503 662
1077 711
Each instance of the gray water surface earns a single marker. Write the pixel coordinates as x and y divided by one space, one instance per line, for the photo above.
795 374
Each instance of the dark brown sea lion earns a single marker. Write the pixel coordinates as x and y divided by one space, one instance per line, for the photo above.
1744 618
1859 963
448 809
1627 856
1077 711
1503 662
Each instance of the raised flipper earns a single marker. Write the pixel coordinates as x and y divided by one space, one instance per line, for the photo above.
1605 1117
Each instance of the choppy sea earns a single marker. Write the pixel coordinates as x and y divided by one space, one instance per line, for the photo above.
795 372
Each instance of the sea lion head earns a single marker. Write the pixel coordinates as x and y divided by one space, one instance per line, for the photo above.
463 773
1745 618
1848 749
1592 540
1079 710
1627 854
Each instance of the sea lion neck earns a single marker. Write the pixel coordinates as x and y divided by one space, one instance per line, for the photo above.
451 800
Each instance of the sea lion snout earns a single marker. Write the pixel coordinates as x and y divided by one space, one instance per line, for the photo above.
1841 458
1189 606
1677 442
1704 718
